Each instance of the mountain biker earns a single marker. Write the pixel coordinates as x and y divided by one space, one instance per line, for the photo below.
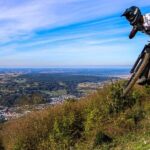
140 23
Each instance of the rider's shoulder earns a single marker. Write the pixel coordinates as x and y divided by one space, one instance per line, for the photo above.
147 15
146 18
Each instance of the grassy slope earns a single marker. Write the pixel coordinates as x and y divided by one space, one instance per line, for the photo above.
102 120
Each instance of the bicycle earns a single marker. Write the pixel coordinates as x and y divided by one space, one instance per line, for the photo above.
138 68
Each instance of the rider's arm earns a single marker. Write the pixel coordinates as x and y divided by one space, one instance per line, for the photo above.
133 32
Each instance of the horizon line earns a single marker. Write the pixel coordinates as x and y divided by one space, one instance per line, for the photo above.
63 67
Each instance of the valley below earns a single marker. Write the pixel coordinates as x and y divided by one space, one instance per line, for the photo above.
25 90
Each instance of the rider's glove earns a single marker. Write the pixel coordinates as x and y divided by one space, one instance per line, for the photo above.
133 32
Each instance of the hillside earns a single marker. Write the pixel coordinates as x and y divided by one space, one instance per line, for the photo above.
100 121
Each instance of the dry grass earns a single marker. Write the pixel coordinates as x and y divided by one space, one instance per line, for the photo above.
78 124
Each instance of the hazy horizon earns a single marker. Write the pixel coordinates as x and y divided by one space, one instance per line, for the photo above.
65 67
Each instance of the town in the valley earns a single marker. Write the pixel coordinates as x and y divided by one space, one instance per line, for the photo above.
23 92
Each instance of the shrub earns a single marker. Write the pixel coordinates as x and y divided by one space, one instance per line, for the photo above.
119 102
101 138
126 124
91 119
137 114
147 88
68 128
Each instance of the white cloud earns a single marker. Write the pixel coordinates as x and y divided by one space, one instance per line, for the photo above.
21 18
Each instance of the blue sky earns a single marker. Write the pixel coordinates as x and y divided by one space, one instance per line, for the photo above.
60 33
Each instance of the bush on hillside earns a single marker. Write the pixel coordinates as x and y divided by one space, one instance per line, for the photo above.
68 129
129 119
147 89
101 138
119 103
